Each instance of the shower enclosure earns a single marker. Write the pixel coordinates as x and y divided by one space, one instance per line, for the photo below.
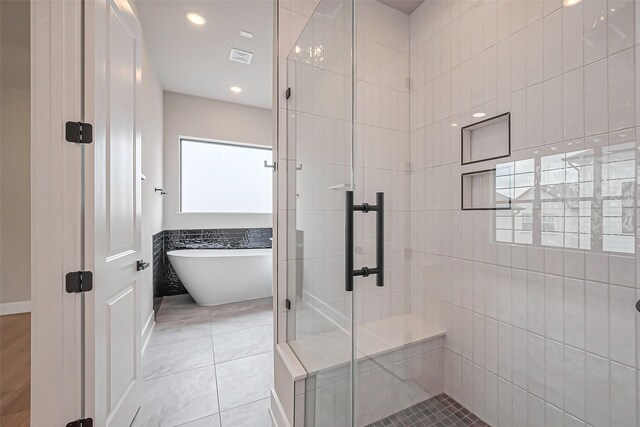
461 212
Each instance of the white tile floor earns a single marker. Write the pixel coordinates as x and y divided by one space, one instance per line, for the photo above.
208 366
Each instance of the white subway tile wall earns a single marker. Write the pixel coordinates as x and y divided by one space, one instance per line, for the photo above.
382 154
555 326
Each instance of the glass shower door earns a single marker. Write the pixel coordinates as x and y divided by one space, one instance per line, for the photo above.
319 172
350 321
487 314
398 357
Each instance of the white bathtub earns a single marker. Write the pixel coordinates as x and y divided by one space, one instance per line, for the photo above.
220 276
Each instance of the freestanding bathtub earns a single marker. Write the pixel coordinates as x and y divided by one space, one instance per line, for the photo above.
220 276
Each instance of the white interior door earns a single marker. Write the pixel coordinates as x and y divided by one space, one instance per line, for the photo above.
118 212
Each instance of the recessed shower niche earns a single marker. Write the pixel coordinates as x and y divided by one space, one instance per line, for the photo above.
488 139
479 192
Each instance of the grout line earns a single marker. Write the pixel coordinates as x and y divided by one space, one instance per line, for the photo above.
243 357
215 369
244 404
204 336
173 342
197 419
178 340
242 329
177 373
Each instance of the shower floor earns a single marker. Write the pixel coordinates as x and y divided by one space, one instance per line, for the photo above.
439 411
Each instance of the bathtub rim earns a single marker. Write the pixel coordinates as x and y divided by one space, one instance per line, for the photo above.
219 253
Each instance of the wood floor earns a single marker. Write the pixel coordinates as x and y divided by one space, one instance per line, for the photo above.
15 369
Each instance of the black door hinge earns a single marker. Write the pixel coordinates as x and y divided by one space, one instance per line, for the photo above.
287 93
85 422
287 304
79 281
79 132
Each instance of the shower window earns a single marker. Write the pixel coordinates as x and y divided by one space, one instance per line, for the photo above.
223 177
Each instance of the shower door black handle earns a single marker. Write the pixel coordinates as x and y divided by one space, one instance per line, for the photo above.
378 270
380 238
348 242
638 305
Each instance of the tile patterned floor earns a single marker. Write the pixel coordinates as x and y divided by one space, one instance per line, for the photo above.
439 411
208 366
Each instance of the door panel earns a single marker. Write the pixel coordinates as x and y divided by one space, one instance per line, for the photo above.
117 212
122 143
122 344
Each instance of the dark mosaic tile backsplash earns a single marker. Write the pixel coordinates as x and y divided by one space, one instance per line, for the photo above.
165 279
158 262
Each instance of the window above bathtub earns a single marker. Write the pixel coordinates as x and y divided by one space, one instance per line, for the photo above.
224 177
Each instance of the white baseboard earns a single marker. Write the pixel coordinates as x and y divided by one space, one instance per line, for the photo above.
15 307
278 418
147 331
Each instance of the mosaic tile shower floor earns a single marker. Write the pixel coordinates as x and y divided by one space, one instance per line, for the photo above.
439 411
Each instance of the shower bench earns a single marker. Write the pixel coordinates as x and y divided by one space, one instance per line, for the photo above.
400 360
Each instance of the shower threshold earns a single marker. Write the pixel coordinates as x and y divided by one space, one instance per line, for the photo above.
439 411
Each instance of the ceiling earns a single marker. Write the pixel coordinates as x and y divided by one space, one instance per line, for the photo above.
195 60
405 6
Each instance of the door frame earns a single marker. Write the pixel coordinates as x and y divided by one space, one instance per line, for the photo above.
56 218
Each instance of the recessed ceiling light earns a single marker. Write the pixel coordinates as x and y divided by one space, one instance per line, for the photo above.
196 18
454 124
568 3
235 89
246 34
478 115
298 50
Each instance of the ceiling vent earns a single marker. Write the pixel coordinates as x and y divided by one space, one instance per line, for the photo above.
240 56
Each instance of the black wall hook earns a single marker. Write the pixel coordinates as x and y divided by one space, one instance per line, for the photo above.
162 192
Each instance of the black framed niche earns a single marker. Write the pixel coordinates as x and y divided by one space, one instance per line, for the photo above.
488 139
479 193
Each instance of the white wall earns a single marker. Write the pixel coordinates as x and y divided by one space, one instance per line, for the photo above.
152 168
382 152
15 137
192 116
541 330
